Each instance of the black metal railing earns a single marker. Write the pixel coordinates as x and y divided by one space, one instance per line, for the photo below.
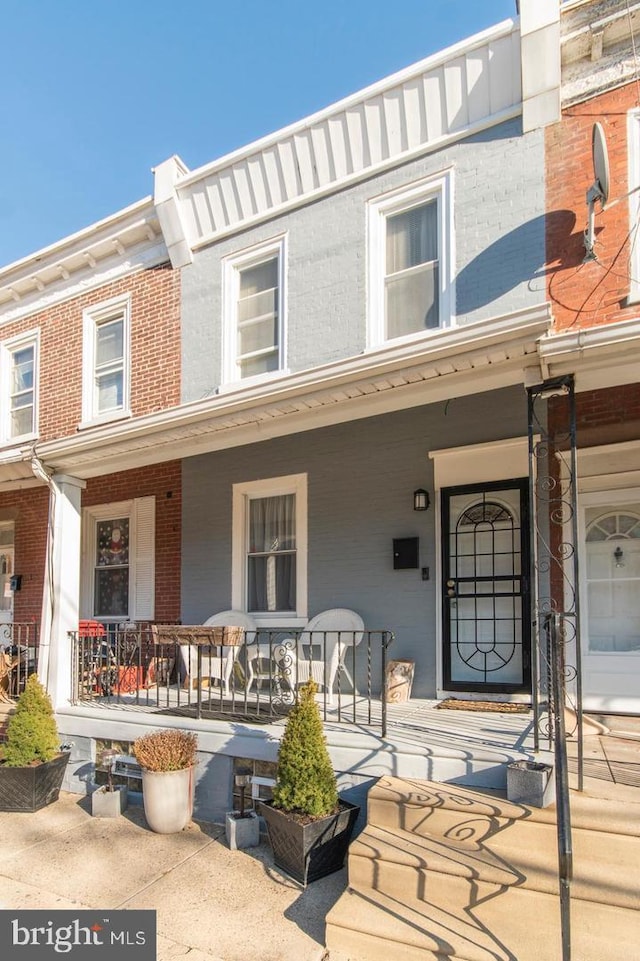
252 675
18 657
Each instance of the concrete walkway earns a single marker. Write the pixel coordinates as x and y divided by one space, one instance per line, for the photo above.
211 903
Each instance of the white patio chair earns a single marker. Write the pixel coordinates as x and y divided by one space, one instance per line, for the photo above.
218 662
334 634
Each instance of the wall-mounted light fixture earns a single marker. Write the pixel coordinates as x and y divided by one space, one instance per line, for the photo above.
421 500
619 554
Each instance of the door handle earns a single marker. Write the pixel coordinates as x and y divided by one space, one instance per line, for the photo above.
451 588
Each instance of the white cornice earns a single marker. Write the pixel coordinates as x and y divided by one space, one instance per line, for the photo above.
446 97
119 244
599 357
484 355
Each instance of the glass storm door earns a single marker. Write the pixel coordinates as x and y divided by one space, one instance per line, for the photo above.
486 604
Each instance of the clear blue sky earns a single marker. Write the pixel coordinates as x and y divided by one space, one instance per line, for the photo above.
94 93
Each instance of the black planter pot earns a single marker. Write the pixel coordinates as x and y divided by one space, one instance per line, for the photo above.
31 788
309 851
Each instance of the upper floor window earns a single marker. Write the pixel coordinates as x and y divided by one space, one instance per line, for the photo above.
410 239
19 368
270 548
254 312
106 360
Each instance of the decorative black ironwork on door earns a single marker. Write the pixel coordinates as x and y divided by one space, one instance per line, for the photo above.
486 588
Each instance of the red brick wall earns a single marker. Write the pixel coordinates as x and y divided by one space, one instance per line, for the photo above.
30 508
155 348
584 295
164 481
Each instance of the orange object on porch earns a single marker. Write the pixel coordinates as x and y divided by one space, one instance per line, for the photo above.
91 629
130 679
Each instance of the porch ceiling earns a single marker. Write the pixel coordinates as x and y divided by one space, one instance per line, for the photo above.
482 356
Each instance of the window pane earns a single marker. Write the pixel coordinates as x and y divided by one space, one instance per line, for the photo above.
272 583
111 597
412 302
261 334
109 342
22 370
261 277
22 420
112 542
259 365
109 387
272 524
412 237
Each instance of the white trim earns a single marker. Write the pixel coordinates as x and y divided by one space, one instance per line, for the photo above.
471 464
232 267
30 338
270 487
440 189
93 317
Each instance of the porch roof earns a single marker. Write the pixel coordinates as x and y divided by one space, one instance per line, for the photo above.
477 357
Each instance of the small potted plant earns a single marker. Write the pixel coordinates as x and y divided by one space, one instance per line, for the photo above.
109 800
32 765
309 826
242 827
168 761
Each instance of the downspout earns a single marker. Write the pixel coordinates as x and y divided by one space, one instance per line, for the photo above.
40 471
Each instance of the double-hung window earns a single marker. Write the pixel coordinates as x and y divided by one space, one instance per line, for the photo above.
118 561
106 360
410 261
270 548
254 312
19 377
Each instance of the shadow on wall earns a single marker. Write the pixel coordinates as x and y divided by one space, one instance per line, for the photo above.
518 257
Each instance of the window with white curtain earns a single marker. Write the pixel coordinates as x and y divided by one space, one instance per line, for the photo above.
19 378
254 312
410 289
270 549
106 360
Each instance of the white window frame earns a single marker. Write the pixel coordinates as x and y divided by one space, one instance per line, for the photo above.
272 487
104 512
92 318
633 160
232 267
440 189
8 348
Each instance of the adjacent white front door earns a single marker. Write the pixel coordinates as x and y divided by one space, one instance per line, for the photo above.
611 602
6 572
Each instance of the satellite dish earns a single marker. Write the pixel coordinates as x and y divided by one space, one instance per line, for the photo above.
600 162
599 189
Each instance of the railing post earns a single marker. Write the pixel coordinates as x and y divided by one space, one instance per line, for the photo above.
563 810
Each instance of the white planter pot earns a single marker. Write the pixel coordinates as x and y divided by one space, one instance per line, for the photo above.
168 799
109 804
532 783
242 832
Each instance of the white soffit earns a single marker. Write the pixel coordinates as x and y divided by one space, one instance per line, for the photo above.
609 466
449 96
480 463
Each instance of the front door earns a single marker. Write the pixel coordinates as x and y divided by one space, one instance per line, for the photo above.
611 627
486 603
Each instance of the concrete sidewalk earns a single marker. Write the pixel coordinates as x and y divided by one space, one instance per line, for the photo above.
212 903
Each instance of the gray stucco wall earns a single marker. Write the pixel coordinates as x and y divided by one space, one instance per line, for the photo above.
361 477
498 248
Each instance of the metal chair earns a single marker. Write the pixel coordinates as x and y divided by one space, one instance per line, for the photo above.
218 661
337 631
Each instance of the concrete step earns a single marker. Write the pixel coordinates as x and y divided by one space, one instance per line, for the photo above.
375 927
430 808
397 862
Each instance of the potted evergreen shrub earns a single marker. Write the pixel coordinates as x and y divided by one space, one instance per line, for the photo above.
32 765
308 825
168 762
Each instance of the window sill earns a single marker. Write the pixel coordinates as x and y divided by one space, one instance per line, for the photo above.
11 444
237 385
105 419
423 335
